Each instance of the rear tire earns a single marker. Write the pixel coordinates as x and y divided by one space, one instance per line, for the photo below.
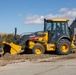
38 49
64 47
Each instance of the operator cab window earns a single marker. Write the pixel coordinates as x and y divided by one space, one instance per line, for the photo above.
67 30
56 28
64 28
48 26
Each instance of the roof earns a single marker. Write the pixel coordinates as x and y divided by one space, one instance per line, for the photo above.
59 19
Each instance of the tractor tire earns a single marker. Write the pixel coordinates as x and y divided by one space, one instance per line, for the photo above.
38 49
64 47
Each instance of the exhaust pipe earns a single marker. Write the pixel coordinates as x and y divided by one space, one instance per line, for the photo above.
12 47
15 32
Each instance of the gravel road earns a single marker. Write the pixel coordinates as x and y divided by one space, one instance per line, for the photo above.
63 65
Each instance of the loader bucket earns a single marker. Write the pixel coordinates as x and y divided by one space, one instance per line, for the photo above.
11 48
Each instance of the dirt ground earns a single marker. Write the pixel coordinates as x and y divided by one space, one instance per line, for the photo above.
8 59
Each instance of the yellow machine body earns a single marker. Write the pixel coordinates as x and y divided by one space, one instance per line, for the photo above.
73 37
42 42
14 49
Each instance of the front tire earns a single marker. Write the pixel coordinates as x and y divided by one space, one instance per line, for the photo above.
64 47
38 49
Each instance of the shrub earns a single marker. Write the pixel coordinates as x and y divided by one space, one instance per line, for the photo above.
5 37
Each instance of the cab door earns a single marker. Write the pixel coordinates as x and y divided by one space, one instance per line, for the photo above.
56 31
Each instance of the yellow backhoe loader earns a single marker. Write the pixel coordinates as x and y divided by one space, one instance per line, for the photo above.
57 36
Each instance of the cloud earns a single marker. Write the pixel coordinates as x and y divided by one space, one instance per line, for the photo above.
63 10
34 19
19 14
63 13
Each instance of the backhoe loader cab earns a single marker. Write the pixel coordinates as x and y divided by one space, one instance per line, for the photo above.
57 28
54 37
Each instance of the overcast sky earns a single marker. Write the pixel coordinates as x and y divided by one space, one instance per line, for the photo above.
28 15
